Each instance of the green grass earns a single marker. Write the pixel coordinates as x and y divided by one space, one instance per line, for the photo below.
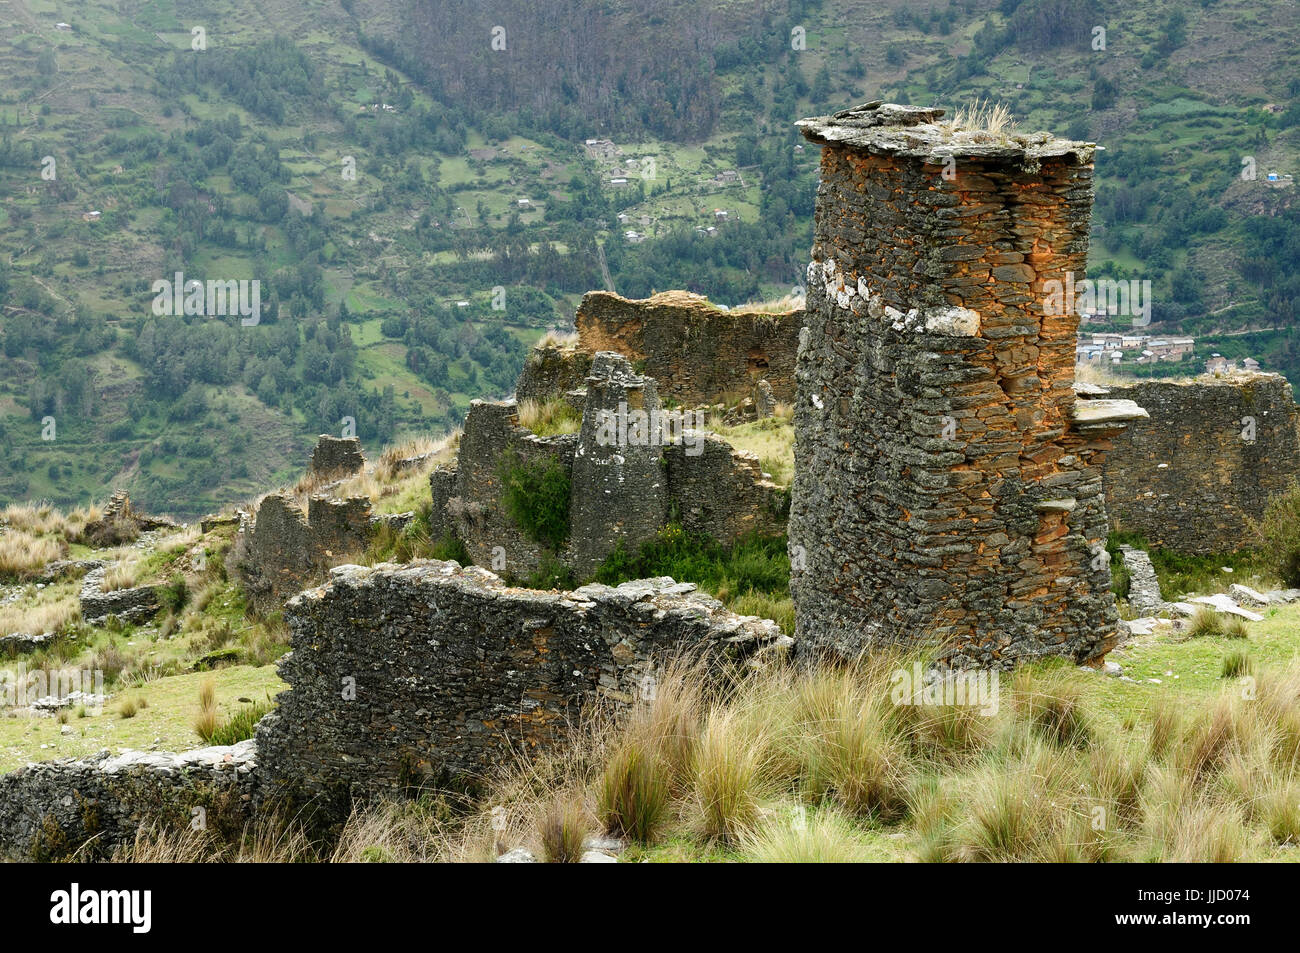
755 564
166 724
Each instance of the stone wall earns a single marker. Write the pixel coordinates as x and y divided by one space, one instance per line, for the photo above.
1206 461
469 497
48 809
948 487
696 351
121 523
434 672
286 549
137 604
618 493
722 493
336 457
552 370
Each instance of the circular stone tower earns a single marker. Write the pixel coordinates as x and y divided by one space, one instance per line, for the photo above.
947 488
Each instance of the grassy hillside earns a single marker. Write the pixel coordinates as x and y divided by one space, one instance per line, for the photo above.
477 216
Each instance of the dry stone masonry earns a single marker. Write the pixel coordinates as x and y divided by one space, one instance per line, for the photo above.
287 549
1213 451
948 487
620 488
697 352
49 809
620 493
434 672
135 605
336 457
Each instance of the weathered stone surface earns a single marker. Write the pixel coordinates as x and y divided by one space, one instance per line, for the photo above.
19 642
287 549
1226 605
336 457
936 452
696 352
1187 477
1144 586
432 670
620 492
722 493
469 497
121 523
551 371
49 808
619 489
135 605
216 520
61 568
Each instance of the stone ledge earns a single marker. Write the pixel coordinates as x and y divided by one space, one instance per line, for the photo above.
918 133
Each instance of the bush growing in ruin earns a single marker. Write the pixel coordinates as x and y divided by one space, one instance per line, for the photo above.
1279 535
537 498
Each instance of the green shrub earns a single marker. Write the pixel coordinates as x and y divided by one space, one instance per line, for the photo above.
173 594
449 547
1279 535
755 564
537 498
551 573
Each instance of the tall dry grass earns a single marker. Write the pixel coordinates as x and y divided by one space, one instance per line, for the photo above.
801 765
22 551
39 618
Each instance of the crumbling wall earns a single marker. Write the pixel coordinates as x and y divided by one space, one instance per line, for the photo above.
336 457
1213 451
622 491
947 488
49 809
121 523
552 370
722 493
136 604
430 671
697 352
472 493
619 489
287 549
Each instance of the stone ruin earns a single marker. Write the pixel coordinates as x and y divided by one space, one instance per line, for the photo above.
281 549
121 523
1192 476
948 493
335 458
698 353
433 672
133 605
948 488
620 493
424 673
